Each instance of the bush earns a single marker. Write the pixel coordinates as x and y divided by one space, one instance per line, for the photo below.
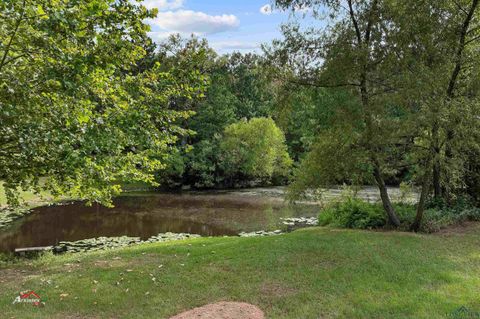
353 213
356 213
438 218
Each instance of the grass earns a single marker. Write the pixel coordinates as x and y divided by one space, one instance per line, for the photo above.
30 199
311 273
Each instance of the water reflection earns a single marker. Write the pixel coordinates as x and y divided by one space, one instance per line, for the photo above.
145 215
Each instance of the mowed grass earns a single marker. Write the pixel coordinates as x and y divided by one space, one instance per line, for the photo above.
311 273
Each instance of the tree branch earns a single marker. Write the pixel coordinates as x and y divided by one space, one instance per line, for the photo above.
322 85
9 44
355 23
461 47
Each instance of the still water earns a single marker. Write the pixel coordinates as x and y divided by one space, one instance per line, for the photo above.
146 214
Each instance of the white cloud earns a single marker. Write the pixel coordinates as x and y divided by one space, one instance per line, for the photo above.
234 45
187 21
266 9
163 4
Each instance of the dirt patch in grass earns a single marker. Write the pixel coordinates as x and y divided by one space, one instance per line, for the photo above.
276 289
464 228
115 262
103 264
223 310
16 275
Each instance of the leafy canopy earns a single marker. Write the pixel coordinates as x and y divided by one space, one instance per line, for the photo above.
77 115
255 149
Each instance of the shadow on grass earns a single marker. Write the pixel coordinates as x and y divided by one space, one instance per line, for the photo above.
314 273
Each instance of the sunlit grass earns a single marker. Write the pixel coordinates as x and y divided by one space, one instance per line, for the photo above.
313 273
27 198
30 199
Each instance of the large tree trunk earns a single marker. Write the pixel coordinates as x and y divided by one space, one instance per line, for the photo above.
436 167
387 204
437 185
421 203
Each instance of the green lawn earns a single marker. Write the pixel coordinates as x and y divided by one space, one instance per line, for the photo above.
312 273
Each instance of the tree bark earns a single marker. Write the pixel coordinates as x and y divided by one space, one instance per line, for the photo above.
421 204
461 47
437 183
387 204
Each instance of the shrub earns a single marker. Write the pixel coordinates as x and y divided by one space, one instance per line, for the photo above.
436 218
353 213
171 176
406 213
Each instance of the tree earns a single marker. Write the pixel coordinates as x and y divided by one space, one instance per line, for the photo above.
451 101
75 108
255 149
414 69
238 88
351 53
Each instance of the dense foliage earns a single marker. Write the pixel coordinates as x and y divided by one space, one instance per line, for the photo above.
239 89
76 117
352 212
412 70
361 92
255 149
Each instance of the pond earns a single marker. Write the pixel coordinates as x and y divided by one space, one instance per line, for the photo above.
147 214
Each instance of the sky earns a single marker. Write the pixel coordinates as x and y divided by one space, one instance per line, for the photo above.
228 25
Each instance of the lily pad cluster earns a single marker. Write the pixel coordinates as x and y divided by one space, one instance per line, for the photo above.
103 243
261 233
300 221
8 216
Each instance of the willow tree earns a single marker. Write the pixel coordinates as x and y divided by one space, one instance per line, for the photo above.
76 115
413 67
350 51
438 42
448 61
